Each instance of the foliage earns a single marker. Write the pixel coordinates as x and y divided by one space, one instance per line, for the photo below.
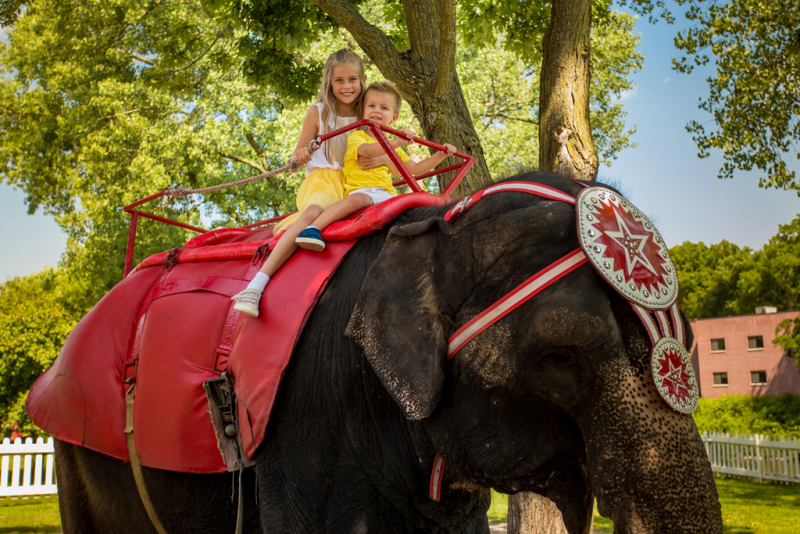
36 315
489 28
754 95
106 102
773 416
788 338
724 279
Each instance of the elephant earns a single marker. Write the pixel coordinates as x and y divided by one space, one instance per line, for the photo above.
555 398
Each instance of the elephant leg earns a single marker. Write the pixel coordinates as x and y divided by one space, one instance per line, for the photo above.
73 498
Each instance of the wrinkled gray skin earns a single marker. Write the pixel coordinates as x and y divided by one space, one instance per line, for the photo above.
556 398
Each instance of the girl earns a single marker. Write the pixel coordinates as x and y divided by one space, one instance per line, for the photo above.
338 104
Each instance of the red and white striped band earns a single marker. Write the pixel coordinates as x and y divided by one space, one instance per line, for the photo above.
657 323
508 187
514 299
435 490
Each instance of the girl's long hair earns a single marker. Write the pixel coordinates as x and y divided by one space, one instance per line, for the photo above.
345 55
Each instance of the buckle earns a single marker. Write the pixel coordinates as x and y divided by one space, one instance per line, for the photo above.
224 353
129 379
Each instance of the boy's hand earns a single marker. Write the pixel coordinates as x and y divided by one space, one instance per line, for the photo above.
449 149
302 155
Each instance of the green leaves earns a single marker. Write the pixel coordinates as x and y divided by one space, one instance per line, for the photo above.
723 279
774 416
36 315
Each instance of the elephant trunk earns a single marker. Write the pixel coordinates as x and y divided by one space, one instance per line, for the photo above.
649 469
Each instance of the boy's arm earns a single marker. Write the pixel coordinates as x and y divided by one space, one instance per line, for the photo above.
427 164
373 150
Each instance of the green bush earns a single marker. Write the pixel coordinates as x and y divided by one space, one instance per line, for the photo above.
773 416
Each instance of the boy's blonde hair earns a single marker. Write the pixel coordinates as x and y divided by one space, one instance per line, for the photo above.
388 88
343 56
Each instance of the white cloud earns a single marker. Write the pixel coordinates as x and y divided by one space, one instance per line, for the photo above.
666 80
630 93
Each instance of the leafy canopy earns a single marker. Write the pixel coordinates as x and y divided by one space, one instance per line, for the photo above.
106 102
724 279
36 315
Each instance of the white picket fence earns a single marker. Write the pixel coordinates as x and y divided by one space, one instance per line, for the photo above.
27 468
754 456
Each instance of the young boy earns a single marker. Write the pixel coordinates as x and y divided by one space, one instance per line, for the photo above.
367 187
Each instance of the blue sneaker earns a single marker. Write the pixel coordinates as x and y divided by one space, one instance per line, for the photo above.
310 239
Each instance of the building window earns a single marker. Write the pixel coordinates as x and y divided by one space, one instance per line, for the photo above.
758 378
755 342
720 379
718 345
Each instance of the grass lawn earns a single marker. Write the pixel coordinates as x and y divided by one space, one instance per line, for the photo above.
29 515
747 508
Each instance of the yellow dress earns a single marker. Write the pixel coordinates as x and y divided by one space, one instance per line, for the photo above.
324 180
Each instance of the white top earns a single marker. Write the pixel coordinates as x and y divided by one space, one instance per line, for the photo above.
338 144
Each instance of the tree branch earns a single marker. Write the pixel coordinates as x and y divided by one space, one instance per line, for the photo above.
371 39
422 20
260 151
126 112
137 57
234 157
447 47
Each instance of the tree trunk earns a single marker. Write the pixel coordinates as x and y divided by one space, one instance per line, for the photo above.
566 148
425 74
530 512
565 135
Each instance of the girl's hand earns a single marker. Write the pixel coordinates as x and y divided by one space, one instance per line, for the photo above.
402 141
367 163
302 155
449 149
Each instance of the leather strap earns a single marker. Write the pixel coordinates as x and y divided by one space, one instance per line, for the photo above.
137 467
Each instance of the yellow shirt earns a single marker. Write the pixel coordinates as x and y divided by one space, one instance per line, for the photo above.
357 178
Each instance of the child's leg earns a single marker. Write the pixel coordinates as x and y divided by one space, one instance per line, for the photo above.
311 239
341 209
286 245
248 299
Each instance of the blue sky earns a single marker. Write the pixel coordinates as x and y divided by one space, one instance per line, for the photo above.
663 175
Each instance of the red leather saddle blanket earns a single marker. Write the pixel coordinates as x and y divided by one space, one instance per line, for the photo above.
170 327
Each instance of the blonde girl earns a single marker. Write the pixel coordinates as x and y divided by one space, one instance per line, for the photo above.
338 105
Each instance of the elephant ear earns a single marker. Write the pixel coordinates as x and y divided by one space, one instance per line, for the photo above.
396 321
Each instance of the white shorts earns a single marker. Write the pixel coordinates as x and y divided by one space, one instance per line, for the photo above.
377 194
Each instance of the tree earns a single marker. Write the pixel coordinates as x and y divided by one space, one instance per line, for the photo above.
788 338
106 102
724 279
566 48
754 96
566 146
37 313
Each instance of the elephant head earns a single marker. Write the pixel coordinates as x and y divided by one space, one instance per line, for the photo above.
556 397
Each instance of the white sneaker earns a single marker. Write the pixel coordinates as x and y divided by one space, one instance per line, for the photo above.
247 301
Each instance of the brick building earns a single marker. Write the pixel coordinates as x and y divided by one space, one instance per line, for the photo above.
735 356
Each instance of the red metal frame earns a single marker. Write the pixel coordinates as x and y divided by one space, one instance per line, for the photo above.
378 131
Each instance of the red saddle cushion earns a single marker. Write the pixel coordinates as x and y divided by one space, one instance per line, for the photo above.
163 327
